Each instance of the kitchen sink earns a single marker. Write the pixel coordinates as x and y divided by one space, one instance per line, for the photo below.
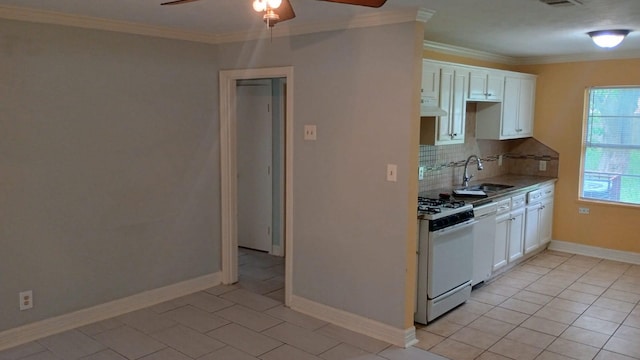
487 187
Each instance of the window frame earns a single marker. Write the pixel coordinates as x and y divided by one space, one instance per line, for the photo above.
584 147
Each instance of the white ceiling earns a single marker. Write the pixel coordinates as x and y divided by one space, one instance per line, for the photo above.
514 28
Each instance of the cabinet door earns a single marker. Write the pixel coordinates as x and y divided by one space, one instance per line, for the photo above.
510 110
516 235
430 88
447 81
495 86
459 108
450 128
477 85
546 221
531 232
501 241
526 107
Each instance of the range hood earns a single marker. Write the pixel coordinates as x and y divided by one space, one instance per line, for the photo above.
432 111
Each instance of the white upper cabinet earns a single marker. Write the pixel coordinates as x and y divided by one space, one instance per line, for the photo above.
430 89
450 128
514 119
485 85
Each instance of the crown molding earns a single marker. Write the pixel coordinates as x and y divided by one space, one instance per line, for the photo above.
598 56
468 53
532 60
88 22
359 21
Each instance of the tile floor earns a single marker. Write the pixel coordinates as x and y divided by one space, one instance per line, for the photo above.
554 306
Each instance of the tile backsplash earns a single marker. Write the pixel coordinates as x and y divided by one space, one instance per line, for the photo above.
445 164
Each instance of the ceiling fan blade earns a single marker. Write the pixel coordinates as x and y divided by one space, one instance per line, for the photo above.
285 11
177 2
370 3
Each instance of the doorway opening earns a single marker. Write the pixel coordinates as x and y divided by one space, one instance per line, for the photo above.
251 175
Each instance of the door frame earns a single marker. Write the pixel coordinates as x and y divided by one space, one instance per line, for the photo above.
228 168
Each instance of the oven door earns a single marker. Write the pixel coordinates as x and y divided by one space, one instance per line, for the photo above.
450 261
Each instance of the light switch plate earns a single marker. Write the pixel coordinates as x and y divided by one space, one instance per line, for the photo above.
392 172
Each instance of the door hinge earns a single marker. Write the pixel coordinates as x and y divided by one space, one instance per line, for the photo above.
269 230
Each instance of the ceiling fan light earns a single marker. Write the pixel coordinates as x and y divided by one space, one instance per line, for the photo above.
608 38
274 4
260 5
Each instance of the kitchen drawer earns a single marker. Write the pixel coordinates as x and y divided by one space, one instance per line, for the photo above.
542 193
503 206
518 201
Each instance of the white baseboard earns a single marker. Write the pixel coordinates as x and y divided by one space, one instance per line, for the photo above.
587 250
357 323
23 334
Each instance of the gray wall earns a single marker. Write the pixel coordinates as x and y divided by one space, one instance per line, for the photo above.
350 224
109 166
109 170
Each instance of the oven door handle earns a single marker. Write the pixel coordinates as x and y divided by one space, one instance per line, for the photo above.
455 227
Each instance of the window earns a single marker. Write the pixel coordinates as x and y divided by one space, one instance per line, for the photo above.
611 152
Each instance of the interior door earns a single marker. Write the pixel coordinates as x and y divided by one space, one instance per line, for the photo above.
254 157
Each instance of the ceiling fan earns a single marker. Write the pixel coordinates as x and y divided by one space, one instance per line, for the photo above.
276 11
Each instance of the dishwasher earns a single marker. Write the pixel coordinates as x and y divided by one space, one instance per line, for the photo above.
484 233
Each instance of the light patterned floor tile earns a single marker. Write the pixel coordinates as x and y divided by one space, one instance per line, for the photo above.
22 351
573 349
228 353
71 344
204 301
495 288
605 314
587 288
195 318
476 307
296 318
548 355
105 355
520 306
244 339
100 326
348 352
474 337
563 316
584 336
412 353
443 327
515 350
568 305
286 352
251 300
246 317
487 297
301 338
578 296
129 342
613 304
624 346
601 326
488 355
506 315
530 337
453 349
461 316
363 342
545 326
544 289
166 354
146 321
492 326
608 355
533 297
622 296
188 341
427 340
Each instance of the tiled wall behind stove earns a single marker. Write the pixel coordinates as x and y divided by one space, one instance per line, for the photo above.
445 163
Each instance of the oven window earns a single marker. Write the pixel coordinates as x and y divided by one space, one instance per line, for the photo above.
610 169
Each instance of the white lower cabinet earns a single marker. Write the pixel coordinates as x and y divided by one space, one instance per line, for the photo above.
509 240
539 218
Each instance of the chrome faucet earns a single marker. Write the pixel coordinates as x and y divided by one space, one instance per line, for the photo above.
466 177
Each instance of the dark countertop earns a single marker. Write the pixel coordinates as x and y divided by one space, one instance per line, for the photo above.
520 183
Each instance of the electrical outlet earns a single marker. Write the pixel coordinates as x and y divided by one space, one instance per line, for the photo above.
26 300
421 171
583 210
310 132
542 166
500 160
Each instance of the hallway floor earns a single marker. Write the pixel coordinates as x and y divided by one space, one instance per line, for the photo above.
554 306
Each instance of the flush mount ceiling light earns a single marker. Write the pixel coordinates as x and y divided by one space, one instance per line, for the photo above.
608 38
